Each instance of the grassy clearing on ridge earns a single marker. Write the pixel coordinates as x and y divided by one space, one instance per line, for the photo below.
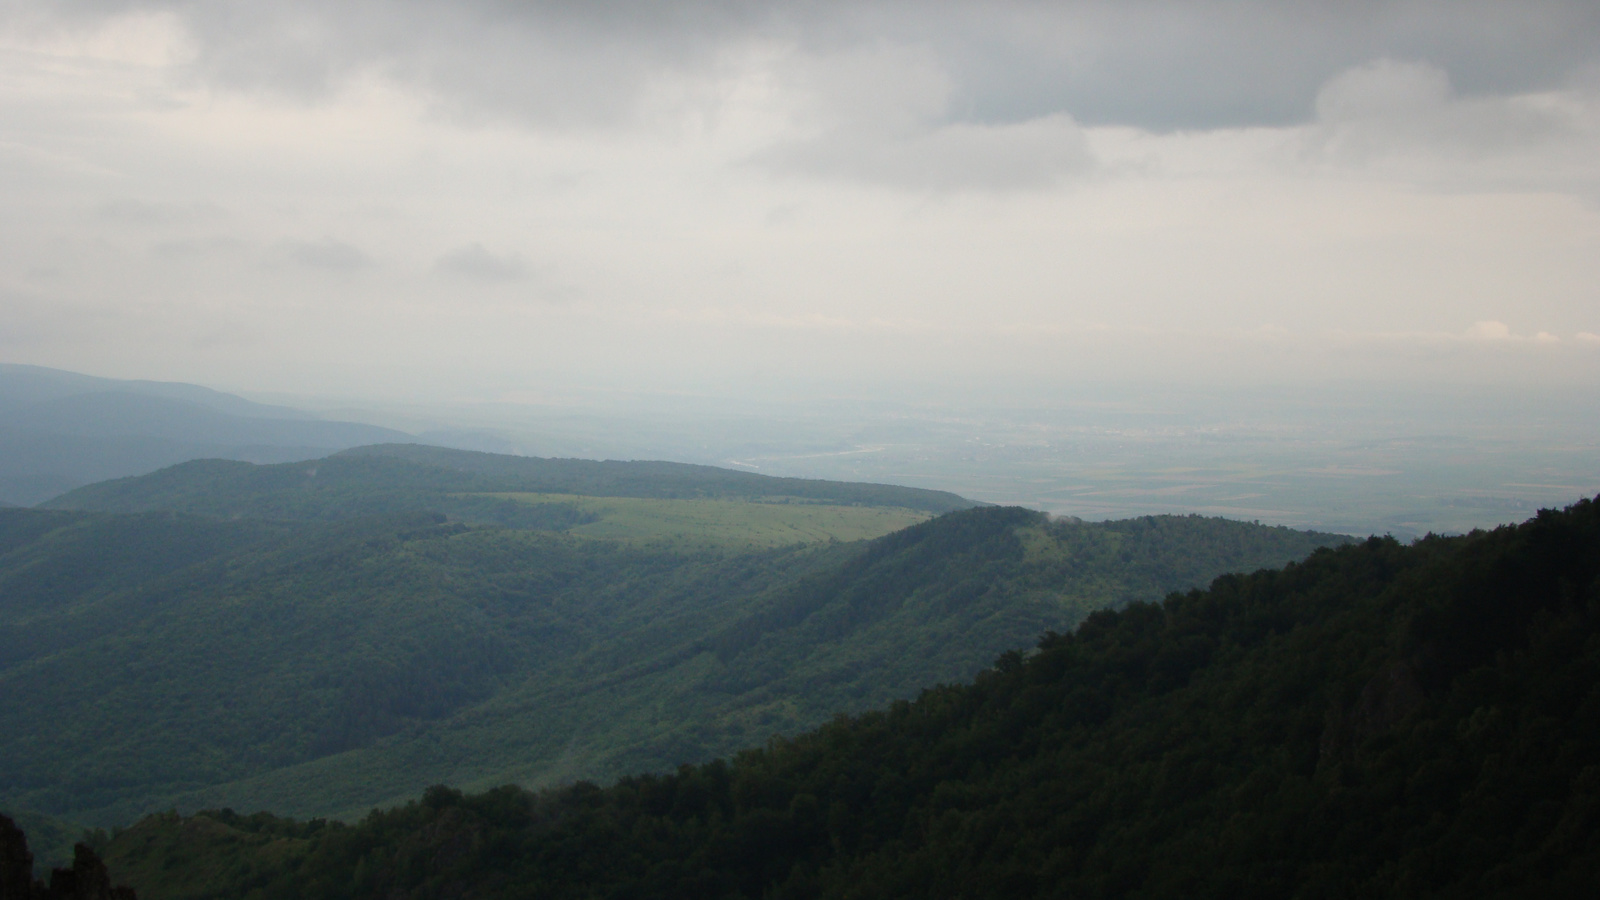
774 522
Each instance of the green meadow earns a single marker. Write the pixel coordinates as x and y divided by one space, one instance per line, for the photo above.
765 522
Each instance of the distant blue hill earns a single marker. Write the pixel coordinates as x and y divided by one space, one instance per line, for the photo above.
22 385
61 430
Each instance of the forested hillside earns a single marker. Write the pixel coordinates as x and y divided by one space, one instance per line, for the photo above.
324 667
1378 720
405 477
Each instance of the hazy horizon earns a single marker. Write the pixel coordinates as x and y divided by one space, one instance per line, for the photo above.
1109 243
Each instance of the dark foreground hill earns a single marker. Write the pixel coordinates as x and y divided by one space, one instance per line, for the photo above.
1379 720
159 659
83 878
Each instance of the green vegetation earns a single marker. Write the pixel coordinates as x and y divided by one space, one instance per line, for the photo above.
324 666
1379 720
82 876
753 523
50 840
392 478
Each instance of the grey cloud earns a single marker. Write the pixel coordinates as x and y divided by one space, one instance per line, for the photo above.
328 254
558 64
1168 65
158 213
1158 64
475 262
197 248
881 115
1381 89
958 156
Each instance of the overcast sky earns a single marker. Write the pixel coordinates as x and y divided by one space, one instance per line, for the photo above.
496 199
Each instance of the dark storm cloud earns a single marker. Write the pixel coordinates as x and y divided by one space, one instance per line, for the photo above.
1159 65
1210 64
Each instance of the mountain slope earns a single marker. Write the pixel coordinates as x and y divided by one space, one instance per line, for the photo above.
22 386
322 667
60 430
128 414
1379 720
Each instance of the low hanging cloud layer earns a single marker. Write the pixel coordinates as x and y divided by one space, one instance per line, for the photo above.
404 196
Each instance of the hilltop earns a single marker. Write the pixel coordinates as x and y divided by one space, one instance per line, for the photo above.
517 491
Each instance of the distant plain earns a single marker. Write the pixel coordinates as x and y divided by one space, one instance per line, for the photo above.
1353 459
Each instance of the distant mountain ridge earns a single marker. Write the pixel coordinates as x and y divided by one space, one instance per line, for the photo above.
392 478
138 415
61 430
24 385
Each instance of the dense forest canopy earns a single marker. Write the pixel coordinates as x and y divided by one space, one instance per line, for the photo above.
325 665
1378 720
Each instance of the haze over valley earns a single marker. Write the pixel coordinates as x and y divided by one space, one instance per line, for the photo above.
1342 460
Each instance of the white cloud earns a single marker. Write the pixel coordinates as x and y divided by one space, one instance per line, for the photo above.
1483 334
116 34
1489 331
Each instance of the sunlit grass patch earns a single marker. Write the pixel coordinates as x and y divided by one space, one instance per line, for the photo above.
768 523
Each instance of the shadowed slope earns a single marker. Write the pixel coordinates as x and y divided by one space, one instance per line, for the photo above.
153 659
1380 720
